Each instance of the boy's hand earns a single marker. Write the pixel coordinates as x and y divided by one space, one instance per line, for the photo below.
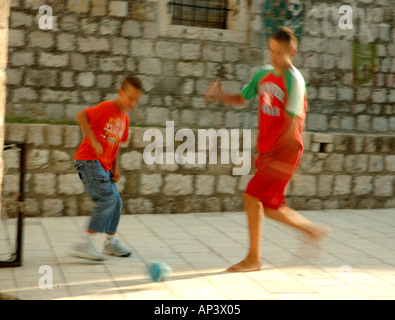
213 92
97 147
116 176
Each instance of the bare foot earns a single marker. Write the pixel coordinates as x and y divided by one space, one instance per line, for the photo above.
246 265
319 232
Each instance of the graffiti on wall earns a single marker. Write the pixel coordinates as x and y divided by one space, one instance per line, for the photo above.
364 57
283 13
365 25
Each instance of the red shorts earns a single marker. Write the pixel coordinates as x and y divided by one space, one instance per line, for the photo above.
273 172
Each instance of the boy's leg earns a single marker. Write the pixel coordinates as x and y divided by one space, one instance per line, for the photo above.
294 219
254 210
107 210
98 184
112 225
112 246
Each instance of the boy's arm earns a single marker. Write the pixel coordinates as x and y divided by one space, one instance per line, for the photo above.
214 93
116 176
84 123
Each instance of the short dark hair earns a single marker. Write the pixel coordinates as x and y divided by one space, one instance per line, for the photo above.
286 35
133 81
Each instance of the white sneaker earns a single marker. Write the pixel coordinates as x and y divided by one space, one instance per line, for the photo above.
87 250
116 249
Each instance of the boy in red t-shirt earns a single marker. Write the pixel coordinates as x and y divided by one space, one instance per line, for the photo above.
105 126
282 110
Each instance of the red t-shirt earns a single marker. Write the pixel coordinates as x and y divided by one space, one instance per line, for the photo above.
282 106
110 127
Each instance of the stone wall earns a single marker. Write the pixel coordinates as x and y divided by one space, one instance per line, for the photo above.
336 171
60 66
80 61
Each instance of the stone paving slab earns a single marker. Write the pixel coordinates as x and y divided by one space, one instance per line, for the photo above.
356 261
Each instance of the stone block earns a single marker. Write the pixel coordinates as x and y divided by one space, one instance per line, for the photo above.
93 44
310 163
204 185
213 53
140 206
191 51
66 42
15 132
316 122
16 38
212 205
70 184
41 78
356 163
32 207
109 27
325 185
142 48
24 94
78 62
157 116
342 185
118 8
304 185
44 184
226 184
383 186
364 123
41 39
19 19
334 162
131 29
72 136
58 96
10 184
19 59
86 79
168 50
331 204
79 6
37 159
151 66
178 185
104 81
150 184
14 76
131 160
380 124
120 46
376 163
35 135
11 159
363 185
390 163
52 208
53 60
99 8
61 161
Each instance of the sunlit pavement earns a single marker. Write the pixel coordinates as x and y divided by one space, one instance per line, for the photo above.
356 261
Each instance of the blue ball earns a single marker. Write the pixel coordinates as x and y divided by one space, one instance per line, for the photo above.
159 271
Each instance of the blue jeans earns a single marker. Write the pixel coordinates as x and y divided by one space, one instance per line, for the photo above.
107 213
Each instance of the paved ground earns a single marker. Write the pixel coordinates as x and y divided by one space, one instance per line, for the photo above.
357 260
